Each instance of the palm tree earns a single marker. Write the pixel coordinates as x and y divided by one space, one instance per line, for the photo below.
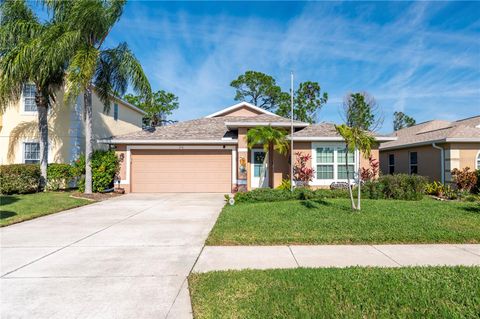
271 139
108 71
355 139
26 57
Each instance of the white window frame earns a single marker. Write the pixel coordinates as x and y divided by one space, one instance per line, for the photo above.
336 162
22 105
23 150
477 160
117 108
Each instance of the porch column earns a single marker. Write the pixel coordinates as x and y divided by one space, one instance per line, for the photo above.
242 157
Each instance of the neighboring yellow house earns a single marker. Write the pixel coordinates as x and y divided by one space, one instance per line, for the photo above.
433 149
19 128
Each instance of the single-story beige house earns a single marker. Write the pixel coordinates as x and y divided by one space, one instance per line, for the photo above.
210 154
19 127
433 149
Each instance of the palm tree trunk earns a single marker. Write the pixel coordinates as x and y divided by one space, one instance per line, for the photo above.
42 112
348 180
87 101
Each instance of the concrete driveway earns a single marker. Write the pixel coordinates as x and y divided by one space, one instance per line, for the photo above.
126 257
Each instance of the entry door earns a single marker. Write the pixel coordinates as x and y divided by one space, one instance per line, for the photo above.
259 169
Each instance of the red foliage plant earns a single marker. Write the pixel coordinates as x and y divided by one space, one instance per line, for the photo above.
301 172
371 173
464 179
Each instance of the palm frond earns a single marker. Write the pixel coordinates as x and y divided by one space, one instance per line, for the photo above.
80 72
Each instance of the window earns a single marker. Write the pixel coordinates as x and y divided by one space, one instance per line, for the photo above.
258 159
325 162
413 163
29 104
115 111
342 168
391 163
478 160
31 153
330 163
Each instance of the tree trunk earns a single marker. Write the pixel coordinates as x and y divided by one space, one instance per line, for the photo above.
359 185
348 180
42 112
87 101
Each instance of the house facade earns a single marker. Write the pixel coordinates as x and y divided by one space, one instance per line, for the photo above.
210 154
433 149
19 127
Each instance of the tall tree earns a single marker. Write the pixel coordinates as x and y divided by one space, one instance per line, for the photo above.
109 71
308 100
360 110
272 139
26 56
257 88
402 120
162 103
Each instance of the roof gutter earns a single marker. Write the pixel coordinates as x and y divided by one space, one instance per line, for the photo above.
336 138
119 141
255 124
442 159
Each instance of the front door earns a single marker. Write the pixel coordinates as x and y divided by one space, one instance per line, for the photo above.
259 169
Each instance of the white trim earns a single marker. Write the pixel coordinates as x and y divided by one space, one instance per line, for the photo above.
237 106
462 139
335 146
337 138
255 124
252 168
444 140
22 104
242 149
234 166
477 160
115 141
167 147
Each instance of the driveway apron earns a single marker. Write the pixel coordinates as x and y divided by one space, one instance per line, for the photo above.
126 257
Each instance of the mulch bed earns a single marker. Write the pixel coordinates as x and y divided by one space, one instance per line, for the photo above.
96 196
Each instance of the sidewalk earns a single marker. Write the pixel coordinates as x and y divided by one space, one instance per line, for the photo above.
268 257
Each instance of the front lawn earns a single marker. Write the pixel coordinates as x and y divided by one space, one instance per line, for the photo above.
18 208
331 221
432 292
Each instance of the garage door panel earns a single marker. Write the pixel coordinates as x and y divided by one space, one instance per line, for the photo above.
181 170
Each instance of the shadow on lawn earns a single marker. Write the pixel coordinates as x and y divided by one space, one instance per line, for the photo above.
472 209
310 204
4 214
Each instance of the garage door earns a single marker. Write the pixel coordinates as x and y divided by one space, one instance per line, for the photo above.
181 171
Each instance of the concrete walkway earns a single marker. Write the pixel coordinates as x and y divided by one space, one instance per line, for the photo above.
267 257
126 257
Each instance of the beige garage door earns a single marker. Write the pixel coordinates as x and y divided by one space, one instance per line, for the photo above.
181 171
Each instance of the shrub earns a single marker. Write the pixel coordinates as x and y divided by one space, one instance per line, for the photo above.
105 165
275 195
19 178
59 175
464 179
476 188
398 186
302 173
285 185
371 173
435 189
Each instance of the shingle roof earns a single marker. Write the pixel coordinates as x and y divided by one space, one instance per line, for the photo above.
200 129
436 130
323 129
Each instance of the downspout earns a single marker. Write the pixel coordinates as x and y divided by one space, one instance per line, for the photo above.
442 163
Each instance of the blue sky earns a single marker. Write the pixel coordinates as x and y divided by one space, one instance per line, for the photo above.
422 58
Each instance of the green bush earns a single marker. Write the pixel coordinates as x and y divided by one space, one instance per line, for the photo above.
19 178
105 166
275 195
397 186
285 185
476 188
59 175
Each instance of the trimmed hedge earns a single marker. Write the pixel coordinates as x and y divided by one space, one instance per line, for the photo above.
397 186
19 178
105 165
276 195
59 176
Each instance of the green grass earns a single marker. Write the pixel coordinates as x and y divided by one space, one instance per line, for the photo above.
332 222
18 208
432 292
